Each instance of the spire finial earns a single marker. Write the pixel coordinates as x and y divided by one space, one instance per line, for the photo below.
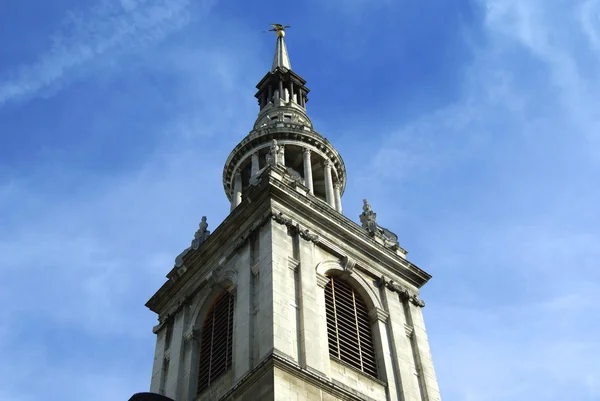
279 29
281 59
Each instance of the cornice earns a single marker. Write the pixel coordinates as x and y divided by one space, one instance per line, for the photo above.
280 361
404 293
282 132
287 74
333 227
311 216
215 252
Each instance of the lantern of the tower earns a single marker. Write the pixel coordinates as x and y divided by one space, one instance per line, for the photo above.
283 137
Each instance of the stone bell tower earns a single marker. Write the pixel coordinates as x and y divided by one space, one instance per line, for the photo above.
288 298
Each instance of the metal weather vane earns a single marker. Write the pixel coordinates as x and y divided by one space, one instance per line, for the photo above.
278 29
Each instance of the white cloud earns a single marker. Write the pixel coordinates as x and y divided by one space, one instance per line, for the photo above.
98 253
499 192
590 20
86 261
109 28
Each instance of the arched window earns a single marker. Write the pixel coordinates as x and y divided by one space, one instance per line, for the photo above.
348 327
216 342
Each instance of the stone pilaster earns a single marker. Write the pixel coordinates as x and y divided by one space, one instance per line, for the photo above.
423 360
407 385
385 364
283 287
314 353
321 324
174 381
242 335
159 357
263 323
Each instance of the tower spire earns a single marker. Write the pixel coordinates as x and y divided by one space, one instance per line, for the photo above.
281 87
281 58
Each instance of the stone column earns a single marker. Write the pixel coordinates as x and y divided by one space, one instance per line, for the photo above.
281 92
337 188
255 166
308 171
329 184
236 199
292 96
270 95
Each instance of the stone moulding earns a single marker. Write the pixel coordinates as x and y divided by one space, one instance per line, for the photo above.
341 265
293 263
421 277
409 330
241 241
162 319
280 361
404 293
348 264
216 275
304 233
190 335
260 138
378 314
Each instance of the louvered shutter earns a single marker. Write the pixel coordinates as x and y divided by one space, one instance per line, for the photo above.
216 341
348 327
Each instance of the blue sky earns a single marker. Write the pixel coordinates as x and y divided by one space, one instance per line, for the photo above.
472 126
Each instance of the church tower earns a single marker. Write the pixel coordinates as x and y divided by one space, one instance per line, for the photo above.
287 298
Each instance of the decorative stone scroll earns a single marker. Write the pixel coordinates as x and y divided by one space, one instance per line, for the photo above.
405 294
282 219
307 235
255 227
368 219
200 237
190 335
304 233
348 264
162 319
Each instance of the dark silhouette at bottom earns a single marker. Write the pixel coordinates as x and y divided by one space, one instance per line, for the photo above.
149 397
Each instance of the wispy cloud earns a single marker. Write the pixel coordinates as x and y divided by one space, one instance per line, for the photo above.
107 29
510 228
83 260
493 193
